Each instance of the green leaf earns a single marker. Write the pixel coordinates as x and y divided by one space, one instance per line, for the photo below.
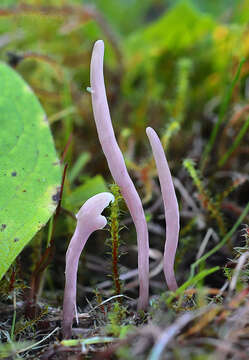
30 171
83 192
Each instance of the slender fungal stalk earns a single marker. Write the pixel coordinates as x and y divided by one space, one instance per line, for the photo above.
118 169
170 208
89 219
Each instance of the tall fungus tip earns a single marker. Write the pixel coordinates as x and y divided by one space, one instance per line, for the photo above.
118 168
98 47
96 74
150 132
99 44
171 208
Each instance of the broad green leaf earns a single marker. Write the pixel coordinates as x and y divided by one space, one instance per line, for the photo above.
29 168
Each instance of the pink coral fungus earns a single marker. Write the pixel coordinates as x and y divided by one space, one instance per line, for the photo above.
89 219
118 169
170 207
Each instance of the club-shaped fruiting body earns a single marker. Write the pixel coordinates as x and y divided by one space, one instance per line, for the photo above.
89 219
171 208
118 169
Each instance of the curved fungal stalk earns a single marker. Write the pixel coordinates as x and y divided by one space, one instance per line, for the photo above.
118 169
89 219
171 208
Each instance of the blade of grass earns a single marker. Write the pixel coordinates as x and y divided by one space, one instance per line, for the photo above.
221 243
235 143
39 342
89 341
78 166
12 335
191 282
222 112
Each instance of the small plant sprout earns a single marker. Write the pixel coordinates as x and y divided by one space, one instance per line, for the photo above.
118 169
89 219
170 208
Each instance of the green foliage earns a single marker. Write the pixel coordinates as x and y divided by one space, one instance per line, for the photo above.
152 51
190 166
184 68
92 186
163 34
134 11
88 341
171 129
235 143
78 166
177 109
116 318
114 241
204 195
11 349
225 239
216 7
192 281
228 273
223 109
24 325
30 170
11 283
244 267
